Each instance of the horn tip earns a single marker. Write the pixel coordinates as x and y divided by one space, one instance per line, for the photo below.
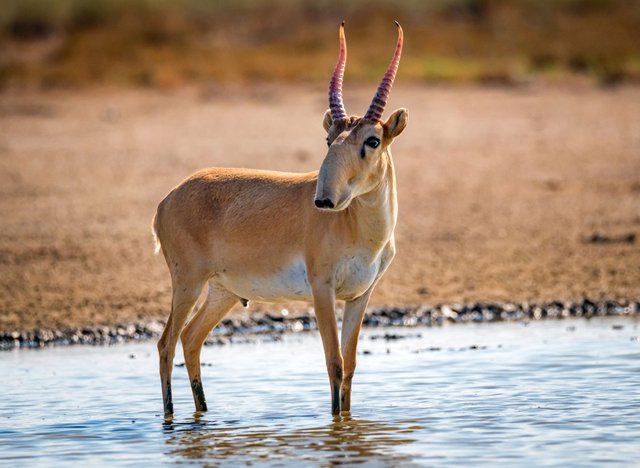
342 24
399 28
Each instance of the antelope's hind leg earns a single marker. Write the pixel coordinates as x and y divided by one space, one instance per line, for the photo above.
185 296
217 304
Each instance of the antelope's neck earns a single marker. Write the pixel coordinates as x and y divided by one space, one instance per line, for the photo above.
376 212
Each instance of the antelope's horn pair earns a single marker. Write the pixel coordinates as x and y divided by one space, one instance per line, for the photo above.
374 113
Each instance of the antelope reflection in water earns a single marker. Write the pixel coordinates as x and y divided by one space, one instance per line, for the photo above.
345 439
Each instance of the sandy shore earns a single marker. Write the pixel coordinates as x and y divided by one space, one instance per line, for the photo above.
528 194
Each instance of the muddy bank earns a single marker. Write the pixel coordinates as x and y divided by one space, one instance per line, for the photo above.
240 328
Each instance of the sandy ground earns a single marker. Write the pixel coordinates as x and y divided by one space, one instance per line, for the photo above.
500 191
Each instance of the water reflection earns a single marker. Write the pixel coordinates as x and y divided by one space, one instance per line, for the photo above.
344 440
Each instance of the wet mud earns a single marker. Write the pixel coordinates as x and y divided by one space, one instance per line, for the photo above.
243 328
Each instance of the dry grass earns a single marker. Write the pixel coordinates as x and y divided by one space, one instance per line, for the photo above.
167 44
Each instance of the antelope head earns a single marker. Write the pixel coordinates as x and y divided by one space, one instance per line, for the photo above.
358 156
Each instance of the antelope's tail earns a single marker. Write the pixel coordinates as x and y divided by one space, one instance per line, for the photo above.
154 233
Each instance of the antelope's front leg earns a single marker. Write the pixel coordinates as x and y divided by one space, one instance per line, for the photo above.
351 323
324 304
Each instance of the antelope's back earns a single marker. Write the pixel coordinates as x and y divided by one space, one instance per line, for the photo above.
245 207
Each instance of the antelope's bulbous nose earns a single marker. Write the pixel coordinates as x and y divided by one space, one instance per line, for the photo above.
326 203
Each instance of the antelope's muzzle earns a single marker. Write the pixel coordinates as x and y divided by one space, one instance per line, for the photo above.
324 203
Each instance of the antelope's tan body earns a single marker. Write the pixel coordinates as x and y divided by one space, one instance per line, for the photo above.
273 236
248 232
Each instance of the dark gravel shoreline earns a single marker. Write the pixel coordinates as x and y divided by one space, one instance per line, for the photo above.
238 328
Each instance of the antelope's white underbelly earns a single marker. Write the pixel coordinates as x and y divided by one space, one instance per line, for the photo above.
353 276
286 283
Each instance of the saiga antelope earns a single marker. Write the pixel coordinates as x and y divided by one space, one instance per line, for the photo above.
275 236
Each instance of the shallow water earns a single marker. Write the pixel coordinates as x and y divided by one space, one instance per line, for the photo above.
550 393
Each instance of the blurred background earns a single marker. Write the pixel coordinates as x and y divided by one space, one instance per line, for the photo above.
169 43
518 175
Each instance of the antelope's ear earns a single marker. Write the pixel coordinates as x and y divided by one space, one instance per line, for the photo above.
396 123
327 120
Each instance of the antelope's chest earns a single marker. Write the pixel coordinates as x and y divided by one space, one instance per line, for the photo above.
355 273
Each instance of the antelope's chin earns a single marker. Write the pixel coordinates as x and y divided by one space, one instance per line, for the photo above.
342 205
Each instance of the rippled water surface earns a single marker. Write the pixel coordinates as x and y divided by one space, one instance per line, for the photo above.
554 392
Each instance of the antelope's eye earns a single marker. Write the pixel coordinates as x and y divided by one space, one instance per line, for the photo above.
372 142
328 142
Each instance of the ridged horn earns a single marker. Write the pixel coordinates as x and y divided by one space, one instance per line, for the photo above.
336 105
380 99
